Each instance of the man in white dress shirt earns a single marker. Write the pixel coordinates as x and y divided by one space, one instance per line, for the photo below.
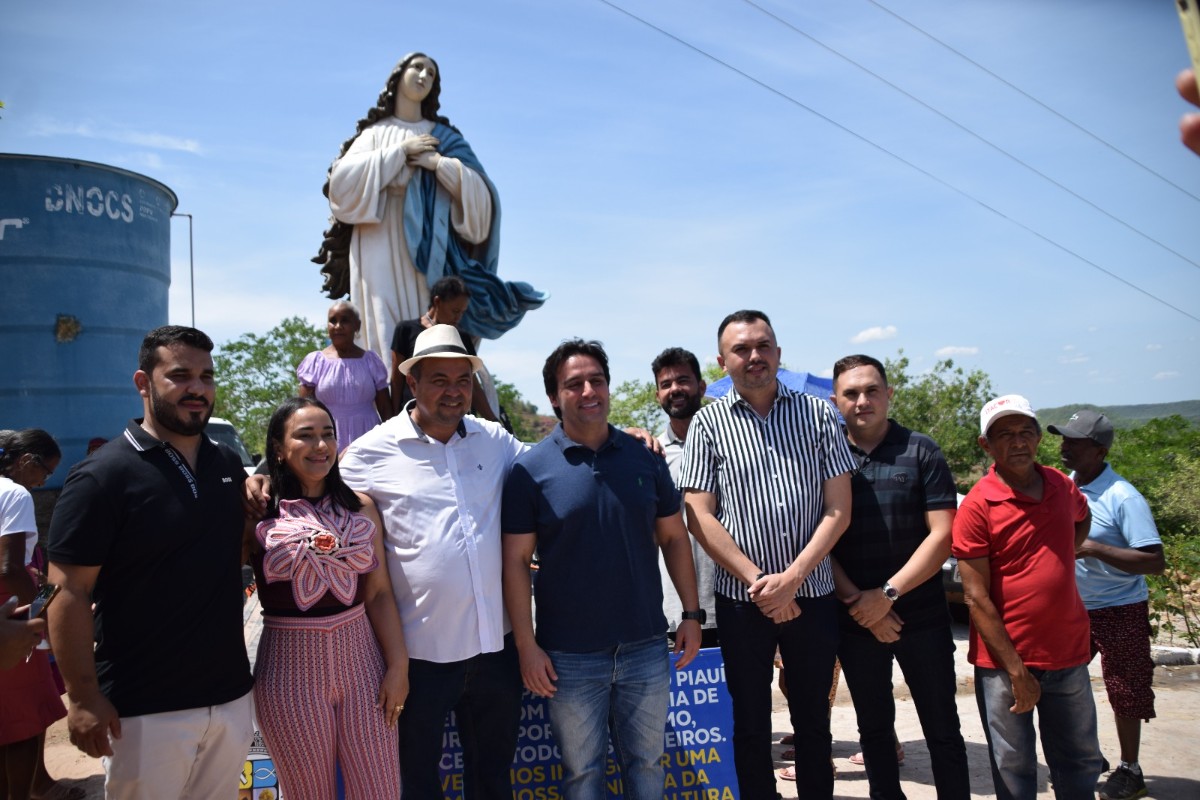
437 476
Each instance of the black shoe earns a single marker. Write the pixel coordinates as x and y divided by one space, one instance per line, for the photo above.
1123 784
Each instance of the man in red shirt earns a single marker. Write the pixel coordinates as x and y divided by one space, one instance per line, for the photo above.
1015 537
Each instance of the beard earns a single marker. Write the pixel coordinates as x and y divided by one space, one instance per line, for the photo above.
189 423
686 411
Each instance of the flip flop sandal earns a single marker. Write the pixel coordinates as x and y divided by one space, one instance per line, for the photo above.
857 758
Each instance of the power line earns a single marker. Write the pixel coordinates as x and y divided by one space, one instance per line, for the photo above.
896 156
1033 99
968 131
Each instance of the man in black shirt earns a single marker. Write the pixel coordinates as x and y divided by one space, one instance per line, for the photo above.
887 572
149 528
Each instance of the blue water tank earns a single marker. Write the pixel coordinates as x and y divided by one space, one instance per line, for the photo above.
85 265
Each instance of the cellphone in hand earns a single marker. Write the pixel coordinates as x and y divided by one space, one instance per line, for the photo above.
42 599
1189 18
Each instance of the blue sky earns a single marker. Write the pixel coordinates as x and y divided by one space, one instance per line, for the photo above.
652 190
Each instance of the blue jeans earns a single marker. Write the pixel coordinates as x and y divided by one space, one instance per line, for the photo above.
1067 720
808 647
926 658
625 689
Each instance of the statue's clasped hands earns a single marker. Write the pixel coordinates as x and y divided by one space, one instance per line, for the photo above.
421 151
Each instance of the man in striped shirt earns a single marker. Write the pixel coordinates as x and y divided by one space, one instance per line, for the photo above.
767 480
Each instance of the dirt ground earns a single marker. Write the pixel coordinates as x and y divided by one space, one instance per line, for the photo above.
1170 757
1170 753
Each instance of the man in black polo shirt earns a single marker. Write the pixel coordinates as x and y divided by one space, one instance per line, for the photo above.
887 570
150 529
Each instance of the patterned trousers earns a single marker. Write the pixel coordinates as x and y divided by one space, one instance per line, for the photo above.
316 680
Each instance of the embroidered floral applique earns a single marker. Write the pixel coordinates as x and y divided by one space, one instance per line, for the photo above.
321 548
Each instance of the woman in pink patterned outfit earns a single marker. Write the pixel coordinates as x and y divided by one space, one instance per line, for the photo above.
331 674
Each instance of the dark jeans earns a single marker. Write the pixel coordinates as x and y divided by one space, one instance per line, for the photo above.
927 660
485 694
808 646
1066 714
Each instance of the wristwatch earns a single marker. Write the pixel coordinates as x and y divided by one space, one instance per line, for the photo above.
700 616
890 592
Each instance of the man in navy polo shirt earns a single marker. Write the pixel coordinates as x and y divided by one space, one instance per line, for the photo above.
887 571
149 528
596 505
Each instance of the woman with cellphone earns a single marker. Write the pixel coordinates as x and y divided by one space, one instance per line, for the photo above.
331 674
29 700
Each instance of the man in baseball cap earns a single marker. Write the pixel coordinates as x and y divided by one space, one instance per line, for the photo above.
1122 547
1015 536
1001 407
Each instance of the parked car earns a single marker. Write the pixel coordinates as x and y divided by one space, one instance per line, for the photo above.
222 430
952 583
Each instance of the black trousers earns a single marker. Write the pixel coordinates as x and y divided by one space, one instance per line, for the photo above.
927 660
484 692
808 646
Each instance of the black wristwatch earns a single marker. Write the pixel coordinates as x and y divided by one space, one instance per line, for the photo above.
890 592
700 616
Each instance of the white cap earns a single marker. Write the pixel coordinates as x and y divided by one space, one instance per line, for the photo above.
1004 406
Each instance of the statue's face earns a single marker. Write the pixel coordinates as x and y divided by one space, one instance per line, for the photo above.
417 80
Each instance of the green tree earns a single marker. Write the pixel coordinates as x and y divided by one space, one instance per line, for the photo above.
713 372
1176 500
1148 454
943 403
634 404
522 414
256 373
1162 460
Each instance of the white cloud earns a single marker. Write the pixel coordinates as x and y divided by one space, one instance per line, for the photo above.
150 161
88 130
1154 347
1169 375
875 334
956 350
1079 359
1068 347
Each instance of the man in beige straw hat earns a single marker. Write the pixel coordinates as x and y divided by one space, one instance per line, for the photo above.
436 475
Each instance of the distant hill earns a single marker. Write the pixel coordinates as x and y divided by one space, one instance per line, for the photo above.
1126 416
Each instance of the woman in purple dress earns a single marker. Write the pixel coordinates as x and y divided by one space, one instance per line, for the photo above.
350 381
